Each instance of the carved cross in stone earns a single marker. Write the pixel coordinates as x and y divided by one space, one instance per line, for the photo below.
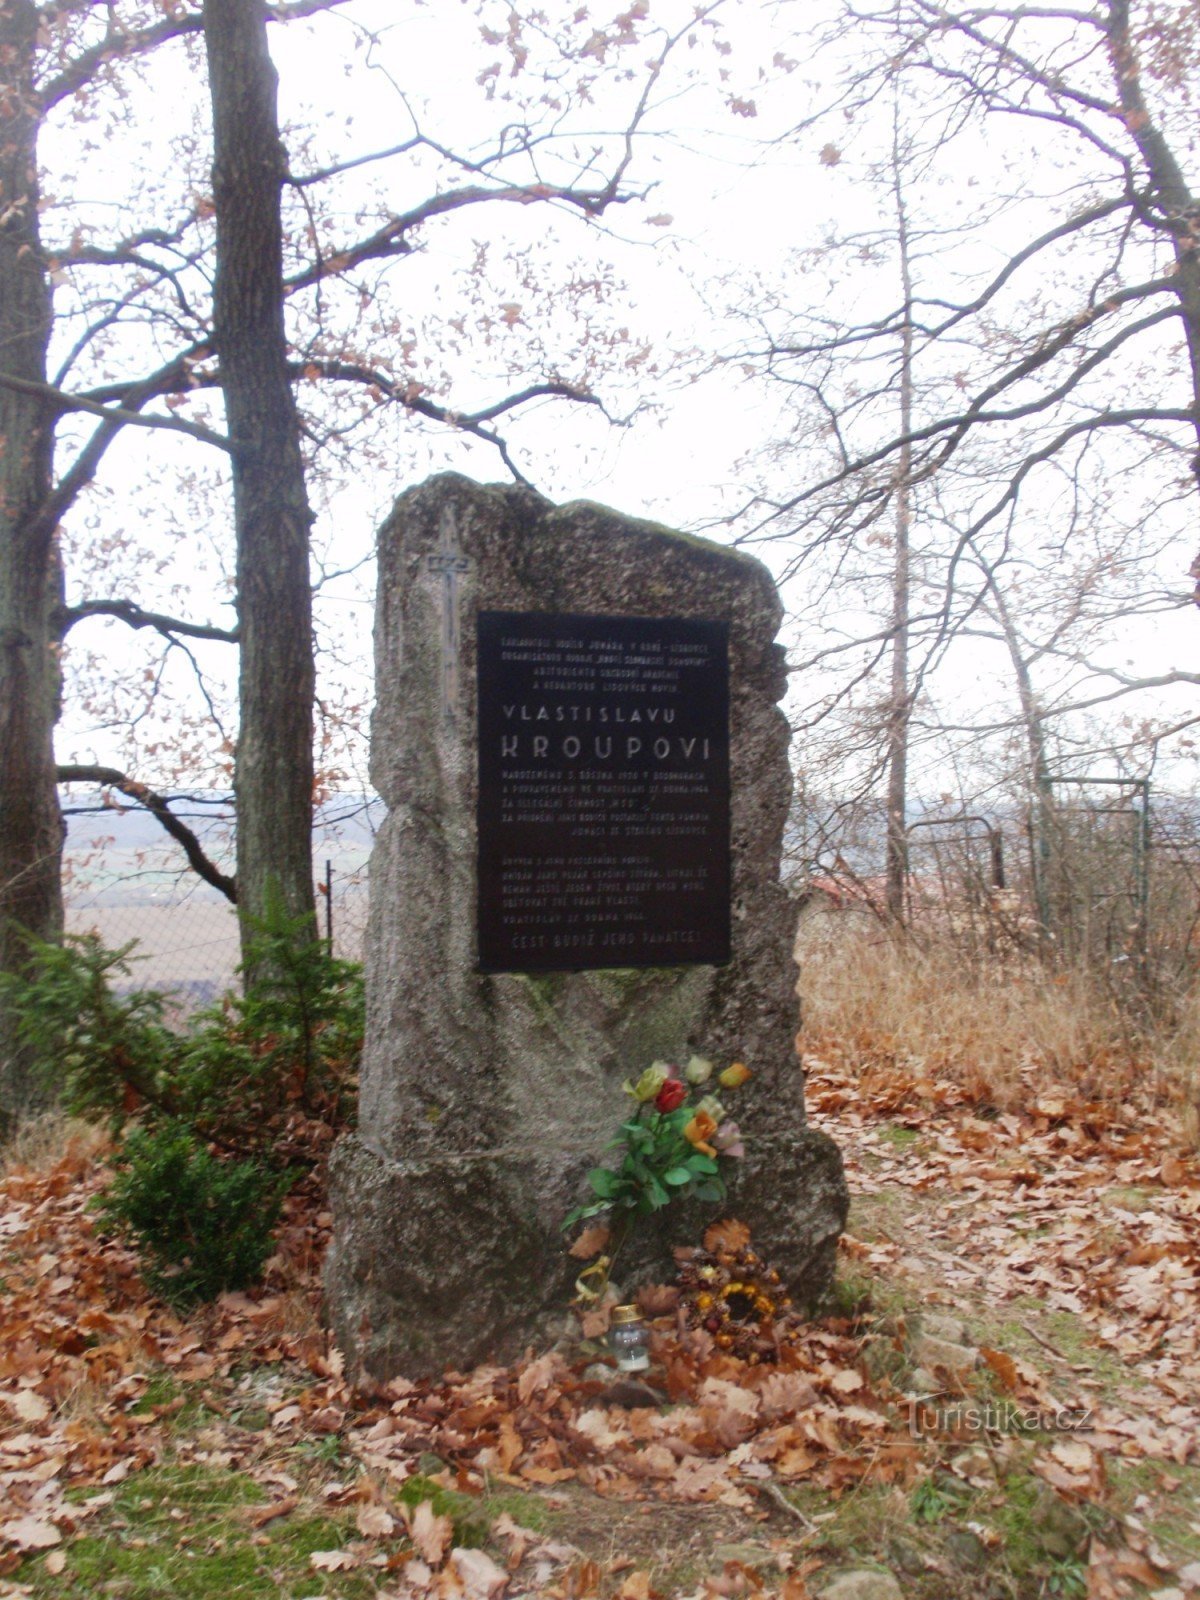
450 563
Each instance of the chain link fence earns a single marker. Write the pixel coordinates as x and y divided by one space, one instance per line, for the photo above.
125 881
1106 876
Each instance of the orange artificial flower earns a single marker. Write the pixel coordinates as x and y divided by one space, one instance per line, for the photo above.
735 1076
699 1131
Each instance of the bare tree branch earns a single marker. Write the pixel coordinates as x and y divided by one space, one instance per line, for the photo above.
134 616
117 415
160 808
472 422
392 239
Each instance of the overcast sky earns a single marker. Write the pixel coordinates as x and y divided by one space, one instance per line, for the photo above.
732 209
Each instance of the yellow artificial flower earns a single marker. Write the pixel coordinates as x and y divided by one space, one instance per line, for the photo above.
735 1076
650 1082
698 1070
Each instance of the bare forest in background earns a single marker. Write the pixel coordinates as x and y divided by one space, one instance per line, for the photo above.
949 392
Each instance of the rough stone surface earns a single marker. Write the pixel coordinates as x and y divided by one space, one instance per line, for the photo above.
485 1098
941 1326
943 1341
863 1586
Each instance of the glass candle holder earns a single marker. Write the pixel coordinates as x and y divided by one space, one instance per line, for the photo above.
629 1339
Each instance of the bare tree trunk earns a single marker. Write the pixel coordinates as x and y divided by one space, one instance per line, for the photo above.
30 822
900 699
1170 196
274 767
1042 828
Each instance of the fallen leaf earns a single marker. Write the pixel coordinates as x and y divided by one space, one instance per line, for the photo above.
374 1522
28 1405
729 1234
480 1576
583 1579
536 1377
590 1242
1003 1366
430 1533
657 1299
514 1535
1174 1171
259 1516
31 1533
635 1587
1075 1455
333 1560
593 1324
596 1428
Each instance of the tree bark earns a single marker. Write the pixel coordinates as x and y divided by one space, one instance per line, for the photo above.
273 775
1171 196
31 828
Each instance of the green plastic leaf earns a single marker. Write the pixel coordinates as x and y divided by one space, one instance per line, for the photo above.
677 1176
605 1183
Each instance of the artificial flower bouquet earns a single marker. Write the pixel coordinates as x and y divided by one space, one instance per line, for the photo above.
673 1144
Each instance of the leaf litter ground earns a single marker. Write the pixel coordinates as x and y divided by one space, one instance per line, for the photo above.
144 1455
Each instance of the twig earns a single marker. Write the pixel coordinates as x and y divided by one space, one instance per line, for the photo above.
1053 1348
775 1494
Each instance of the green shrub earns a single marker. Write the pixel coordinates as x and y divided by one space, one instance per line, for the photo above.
99 1051
202 1225
266 1078
293 1038
233 1072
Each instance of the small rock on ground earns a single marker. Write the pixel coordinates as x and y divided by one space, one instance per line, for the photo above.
750 1555
943 1327
942 1341
923 1383
863 1586
931 1351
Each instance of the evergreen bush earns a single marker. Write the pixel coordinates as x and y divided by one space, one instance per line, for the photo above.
200 1224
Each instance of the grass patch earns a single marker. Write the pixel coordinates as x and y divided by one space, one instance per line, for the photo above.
183 1532
1072 1339
473 1515
889 1215
1043 1540
1173 1492
898 1136
1129 1197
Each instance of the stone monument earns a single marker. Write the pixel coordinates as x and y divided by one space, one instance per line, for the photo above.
578 739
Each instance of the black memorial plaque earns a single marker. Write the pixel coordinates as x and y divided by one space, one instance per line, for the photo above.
603 792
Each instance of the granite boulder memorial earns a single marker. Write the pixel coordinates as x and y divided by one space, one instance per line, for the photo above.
578 739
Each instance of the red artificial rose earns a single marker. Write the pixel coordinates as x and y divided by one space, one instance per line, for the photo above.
671 1096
